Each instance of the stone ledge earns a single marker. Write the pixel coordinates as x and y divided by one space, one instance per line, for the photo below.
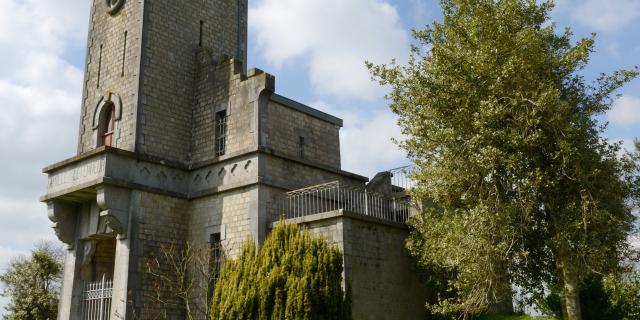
198 165
110 150
280 155
295 105
341 214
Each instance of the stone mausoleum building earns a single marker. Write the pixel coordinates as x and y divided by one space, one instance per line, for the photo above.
179 143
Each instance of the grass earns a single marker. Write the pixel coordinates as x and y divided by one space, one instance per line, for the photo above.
514 318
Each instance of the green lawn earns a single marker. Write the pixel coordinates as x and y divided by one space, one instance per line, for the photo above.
514 318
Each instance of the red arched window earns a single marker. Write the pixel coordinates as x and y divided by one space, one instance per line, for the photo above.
107 125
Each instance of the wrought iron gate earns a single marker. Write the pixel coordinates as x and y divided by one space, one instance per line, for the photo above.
96 299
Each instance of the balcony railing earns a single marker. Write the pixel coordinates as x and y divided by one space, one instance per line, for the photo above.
96 300
334 196
401 178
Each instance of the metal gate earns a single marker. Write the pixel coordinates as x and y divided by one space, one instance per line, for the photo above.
96 300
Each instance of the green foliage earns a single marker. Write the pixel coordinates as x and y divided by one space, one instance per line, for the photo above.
624 294
513 318
33 284
594 301
615 297
504 133
293 276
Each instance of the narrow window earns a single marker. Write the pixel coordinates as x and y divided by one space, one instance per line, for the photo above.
216 260
221 132
301 146
124 53
107 126
99 67
201 30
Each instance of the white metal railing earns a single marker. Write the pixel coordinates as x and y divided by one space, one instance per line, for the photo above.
401 178
334 196
96 299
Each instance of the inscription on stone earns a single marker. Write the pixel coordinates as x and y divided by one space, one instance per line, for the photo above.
82 172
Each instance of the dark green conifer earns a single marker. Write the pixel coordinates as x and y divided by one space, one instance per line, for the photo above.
293 276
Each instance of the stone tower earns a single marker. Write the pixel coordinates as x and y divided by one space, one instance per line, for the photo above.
141 58
180 145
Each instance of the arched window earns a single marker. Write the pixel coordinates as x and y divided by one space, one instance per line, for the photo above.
107 126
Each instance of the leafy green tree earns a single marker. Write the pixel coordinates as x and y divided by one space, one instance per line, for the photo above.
33 284
613 297
624 294
595 301
293 276
504 133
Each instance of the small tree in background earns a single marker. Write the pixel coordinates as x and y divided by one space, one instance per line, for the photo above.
33 284
624 294
293 276
179 273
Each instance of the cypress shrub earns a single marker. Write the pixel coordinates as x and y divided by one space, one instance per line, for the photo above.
293 276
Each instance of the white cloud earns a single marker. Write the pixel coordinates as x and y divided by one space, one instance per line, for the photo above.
40 95
625 111
606 16
334 36
366 147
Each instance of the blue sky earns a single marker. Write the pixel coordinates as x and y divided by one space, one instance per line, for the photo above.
315 48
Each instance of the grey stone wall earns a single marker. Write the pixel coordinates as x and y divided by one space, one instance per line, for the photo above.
227 213
172 37
222 86
106 55
161 223
291 174
154 65
384 280
284 128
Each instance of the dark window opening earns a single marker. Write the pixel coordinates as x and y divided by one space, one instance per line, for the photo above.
124 54
97 277
221 124
201 30
99 67
107 126
216 260
301 147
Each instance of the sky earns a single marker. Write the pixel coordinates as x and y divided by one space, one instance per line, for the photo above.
315 48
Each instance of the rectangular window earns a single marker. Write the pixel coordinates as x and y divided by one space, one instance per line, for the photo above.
216 261
301 147
201 30
221 132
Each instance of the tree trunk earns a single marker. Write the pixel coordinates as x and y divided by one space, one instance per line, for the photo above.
570 289
501 295
504 299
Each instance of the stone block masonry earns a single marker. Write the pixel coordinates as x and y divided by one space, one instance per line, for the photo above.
385 282
156 169
112 65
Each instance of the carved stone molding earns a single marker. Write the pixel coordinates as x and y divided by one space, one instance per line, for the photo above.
114 6
88 252
64 217
108 98
114 209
